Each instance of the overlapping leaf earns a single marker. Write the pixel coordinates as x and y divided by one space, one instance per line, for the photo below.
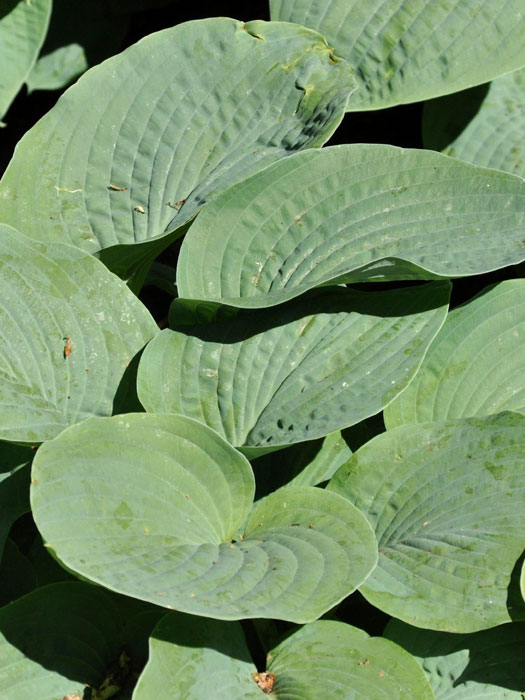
323 659
334 359
142 141
69 328
406 51
61 637
351 213
23 27
446 503
476 364
159 507
484 125
485 664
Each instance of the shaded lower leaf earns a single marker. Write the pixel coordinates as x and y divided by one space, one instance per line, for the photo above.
328 361
494 135
446 503
193 658
23 26
475 365
62 637
486 664
159 507
15 475
17 576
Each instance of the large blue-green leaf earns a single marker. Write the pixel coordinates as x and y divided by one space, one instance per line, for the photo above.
484 125
411 50
475 365
325 362
193 659
69 329
159 507
446 503
60 638
353 213
23 26
487 665
135 148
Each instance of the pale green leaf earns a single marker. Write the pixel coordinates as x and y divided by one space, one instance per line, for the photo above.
23 26
326 362
446 503
352 213
476 364
486 665
134 149
411 50
158 507
69 329
484 125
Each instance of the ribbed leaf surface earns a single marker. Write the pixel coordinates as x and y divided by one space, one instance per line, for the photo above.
351 213
335 358
476 364
446 503
69 329
495 133
143 140
159 508
411 50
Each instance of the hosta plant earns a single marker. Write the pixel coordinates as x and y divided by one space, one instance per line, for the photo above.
262 378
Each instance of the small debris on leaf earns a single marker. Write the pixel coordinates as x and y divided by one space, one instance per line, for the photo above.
67 346
363 663
140 209
116 188
265 681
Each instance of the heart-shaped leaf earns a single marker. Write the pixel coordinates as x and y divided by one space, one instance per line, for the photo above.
406 51
325 659
23 26
59 638
446 503
329 361
476 364
485 664
351 213
159 507
134 148
69 328
484 125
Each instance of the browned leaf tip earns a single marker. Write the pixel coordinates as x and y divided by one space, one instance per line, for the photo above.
116 188
265 681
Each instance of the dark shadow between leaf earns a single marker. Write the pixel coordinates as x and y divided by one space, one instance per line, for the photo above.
515 602
226 325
